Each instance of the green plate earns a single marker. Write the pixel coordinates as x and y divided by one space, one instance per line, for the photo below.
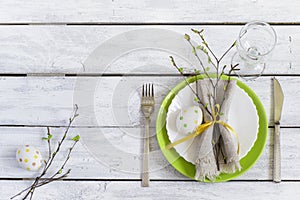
188 169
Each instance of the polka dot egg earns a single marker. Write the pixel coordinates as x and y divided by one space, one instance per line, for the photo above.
29 158
188 119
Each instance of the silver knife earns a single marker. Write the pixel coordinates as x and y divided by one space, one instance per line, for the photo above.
278 103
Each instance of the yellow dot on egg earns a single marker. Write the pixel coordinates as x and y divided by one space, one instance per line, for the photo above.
27 150
196 121
185 111
26 160
28 168
35 156
19 151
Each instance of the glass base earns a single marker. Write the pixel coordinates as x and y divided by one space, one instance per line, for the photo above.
249 69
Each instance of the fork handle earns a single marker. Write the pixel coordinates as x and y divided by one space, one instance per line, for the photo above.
145 173
277 156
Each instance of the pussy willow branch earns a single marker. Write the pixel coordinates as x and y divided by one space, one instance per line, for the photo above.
49 180
218 60
206 44
216 63
63 138
195 93
44 183
200 61
49 143
30 190
224 54
217 147
222 72
62 166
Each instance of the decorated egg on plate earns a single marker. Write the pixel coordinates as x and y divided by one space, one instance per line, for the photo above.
29 158
188 119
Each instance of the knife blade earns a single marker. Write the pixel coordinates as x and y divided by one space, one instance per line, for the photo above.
278 104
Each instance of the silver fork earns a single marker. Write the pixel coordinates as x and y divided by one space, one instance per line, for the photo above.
147 108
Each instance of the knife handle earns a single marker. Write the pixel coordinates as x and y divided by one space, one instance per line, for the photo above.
277 155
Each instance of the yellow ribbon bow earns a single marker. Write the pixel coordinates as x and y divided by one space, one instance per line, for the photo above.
201 128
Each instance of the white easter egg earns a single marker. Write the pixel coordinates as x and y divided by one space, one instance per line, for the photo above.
29 158
188 119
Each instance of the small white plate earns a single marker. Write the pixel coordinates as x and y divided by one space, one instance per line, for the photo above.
242 117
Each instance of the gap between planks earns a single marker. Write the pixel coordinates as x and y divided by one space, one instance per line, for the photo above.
121 126
296 23
134 180
118 75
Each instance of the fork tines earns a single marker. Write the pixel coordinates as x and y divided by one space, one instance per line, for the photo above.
148 90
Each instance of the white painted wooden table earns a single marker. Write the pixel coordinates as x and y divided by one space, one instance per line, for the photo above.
43 45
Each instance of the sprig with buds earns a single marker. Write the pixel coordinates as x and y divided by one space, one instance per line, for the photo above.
59 174
214 78
212 59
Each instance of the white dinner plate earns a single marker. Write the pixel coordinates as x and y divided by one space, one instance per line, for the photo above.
242 117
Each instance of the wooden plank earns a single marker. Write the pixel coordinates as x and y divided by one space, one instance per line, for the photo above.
120 154
67 49
109 101
149 11
157 190
113 163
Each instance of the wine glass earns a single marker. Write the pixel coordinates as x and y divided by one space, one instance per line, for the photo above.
255 42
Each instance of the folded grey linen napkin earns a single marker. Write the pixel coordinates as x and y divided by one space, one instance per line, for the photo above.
217 138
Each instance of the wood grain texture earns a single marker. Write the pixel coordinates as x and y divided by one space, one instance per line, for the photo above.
119 154
158 190
65 49
110 119
109 101
155 11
